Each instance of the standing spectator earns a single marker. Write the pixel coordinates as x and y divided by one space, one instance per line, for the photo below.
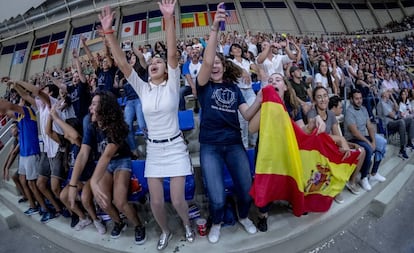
220 140
167 154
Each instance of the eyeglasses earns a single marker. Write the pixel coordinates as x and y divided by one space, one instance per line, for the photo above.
322 97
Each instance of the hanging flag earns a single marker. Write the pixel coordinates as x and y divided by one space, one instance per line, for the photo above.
35 53
52 48
140 27
59 47
74 41
155 24
201 19
187 20
305 170
128 29
18 56
232 18
43 50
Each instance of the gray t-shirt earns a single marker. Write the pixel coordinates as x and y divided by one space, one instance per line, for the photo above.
330 120
386 108
358 118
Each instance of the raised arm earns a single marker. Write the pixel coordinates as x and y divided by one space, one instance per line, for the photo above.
88 52
75 58
210 52
69 132
23 93
49 130
35 91
140 57
167 10
7 106
265 52
106 17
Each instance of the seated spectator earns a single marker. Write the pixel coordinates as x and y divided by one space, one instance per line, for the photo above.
388 111
405 104
359 129
303 90
325 79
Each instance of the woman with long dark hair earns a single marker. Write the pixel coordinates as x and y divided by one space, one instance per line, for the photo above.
325 79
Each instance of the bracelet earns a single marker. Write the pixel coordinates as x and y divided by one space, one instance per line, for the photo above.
213 29
109 32
71 185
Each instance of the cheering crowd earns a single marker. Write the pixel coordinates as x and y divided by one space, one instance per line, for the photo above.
85 130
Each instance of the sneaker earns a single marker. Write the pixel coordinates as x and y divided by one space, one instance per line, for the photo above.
214 234
262 224
189 233
47 216
140 236
83 223
65 213
74 220
22 200
163 242
377 177
31 211
365 184
339 199
410 146
99 226
353 188
118 228
248 225
403 154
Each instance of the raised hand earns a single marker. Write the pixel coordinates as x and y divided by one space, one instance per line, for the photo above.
75 54
106 18
220 15
167 7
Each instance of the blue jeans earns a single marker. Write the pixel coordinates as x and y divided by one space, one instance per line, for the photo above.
212 159
184 91
134 108
380 148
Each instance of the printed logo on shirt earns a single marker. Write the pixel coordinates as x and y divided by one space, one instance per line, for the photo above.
102 145
224 100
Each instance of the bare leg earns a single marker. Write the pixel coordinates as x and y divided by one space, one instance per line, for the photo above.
106 184
26 190
43 188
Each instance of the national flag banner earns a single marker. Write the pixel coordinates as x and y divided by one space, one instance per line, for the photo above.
52 48
43 50
232 19
18 56
35 53
140 27
307 170
155 24
59 47
74 41
187 20
87 35
201 19
128 29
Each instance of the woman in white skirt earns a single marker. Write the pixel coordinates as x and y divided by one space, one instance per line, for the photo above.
167 154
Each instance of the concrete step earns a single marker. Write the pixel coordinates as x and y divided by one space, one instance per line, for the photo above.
7 217
387 198
286 233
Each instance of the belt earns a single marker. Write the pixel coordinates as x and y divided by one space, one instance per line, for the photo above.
164 140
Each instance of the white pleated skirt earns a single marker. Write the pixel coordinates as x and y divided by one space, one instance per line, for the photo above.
168 159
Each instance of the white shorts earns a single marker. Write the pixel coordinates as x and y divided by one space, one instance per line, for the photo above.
29 166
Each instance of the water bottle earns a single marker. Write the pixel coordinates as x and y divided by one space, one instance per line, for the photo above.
222 24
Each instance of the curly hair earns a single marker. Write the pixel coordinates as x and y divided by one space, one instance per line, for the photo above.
111 117
231 71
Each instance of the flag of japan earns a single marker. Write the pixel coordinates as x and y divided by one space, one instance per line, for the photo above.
127 29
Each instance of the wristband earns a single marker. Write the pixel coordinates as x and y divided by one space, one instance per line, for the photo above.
109 32
71 185
213 29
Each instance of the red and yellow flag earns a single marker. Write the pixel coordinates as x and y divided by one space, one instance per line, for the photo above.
305 170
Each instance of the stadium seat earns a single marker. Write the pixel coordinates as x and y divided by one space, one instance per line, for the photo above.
189 188
138 168
186 120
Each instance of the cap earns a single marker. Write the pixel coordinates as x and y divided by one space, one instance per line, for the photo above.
293 68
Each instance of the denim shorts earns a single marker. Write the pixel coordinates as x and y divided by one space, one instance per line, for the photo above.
119 164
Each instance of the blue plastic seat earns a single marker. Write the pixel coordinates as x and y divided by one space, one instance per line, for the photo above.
138 168
122 101
189 188
186 120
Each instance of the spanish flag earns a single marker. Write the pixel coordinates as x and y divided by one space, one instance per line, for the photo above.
306 170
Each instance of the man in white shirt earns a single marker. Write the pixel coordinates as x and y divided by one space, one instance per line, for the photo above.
190 71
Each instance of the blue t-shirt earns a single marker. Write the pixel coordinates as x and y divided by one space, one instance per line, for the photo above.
220 120
97 140
106 79
80 98
89 167
28 132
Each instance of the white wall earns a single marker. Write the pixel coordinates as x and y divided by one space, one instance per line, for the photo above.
331 21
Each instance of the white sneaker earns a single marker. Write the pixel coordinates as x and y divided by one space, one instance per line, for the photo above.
377 177
339 198
83 223
99 226
248 225
214 234
365 184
